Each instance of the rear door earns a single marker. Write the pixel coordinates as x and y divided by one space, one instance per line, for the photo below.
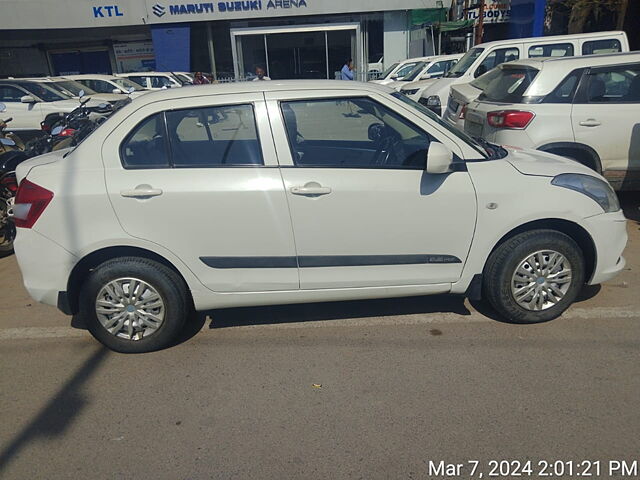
199 177
605 117
365 213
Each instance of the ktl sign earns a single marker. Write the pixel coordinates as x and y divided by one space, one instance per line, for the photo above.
107 11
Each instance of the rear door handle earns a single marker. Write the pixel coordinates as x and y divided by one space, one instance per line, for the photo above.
141 191
590 123
311 190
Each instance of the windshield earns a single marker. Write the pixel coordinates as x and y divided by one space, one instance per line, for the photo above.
388 71
424 110
509 85
404 70
43 91
71 88
465 62
127 84
415 72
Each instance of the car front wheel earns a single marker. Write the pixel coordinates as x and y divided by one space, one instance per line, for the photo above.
534 276
134 305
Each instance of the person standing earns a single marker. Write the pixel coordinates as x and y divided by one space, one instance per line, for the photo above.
260 75
347 72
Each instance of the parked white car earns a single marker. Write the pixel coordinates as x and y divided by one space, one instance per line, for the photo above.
398 70
153 80
260 193
109 84
585 108
72 89
434 94
28 102
435 67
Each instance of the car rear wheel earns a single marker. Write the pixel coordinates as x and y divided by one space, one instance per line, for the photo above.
535 276
134 305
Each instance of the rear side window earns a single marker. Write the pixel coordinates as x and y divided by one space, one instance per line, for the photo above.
146 145
565 91
510 85
214 137
601 46
552 50
10 94
495 58
614 85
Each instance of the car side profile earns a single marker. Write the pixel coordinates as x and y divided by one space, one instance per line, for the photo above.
584 108
155 80
301 191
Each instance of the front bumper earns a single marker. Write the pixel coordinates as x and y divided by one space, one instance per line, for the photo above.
44 264
609 234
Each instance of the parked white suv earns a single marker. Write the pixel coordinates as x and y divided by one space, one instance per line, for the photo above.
302 191
109 84
485 56
154 80
585 108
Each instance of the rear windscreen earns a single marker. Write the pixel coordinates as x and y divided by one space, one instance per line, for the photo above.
509 85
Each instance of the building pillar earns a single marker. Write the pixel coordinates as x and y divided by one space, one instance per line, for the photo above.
395 36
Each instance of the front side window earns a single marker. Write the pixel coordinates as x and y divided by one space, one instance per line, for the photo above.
438 68
146 145
43 91
99 86
159 82
214 137
615 85
405 70
352 133
10 94
601 46
553 50
142 81
495 58
126 84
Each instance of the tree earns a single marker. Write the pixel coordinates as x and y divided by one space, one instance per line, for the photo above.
603 13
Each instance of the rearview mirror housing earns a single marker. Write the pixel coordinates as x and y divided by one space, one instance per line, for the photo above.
27 99
439 159
116 90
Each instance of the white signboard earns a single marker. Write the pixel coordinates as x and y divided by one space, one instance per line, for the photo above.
495 11
134 56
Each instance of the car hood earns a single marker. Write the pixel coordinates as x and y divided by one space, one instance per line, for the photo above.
542 164
70 104
420 84
108 97
25 167
464 92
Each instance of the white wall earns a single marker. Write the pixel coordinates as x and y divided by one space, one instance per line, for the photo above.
395 37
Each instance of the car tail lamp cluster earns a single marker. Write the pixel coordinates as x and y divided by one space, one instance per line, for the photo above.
509 119
31 200
67 132
9 182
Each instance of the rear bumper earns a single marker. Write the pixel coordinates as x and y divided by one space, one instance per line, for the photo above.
44 264
609 233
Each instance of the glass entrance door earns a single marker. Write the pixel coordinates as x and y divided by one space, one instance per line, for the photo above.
294 52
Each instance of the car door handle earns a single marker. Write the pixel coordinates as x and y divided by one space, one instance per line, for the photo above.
311 190
590 123
141 191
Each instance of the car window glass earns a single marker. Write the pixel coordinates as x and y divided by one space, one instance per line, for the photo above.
565 91
510 85
159 82
438 67
552 50
614 86
214 136
352 133
10 94
146 145
99 86
405 69
497 57
601 46
142 81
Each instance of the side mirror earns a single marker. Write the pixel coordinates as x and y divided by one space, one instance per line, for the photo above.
439 159
57 130
28 99
426 76
116 90
81 94
394 76
131 90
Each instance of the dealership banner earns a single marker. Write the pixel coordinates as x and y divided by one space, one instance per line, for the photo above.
134 56
495 11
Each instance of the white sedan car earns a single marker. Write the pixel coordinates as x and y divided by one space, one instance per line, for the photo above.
303 191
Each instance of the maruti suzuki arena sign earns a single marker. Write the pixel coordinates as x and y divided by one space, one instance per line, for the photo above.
238 6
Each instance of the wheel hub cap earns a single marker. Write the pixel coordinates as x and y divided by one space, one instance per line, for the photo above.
130 308
541 280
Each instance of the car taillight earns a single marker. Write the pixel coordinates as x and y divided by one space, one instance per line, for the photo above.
463 112
509 119
9 182
45 127
31 200
67 132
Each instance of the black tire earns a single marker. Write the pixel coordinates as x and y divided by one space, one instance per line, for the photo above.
504 261
165 281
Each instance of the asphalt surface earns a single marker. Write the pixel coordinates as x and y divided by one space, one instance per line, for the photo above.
368 390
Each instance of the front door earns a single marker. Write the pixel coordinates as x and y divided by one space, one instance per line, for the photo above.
25 116
365 213
198 176
605 117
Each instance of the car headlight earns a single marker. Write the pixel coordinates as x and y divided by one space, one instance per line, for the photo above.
593 187
433 101
413 91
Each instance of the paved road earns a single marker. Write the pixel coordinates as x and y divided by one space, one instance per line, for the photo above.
345 390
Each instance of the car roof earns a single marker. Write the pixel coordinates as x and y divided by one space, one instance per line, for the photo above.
552 38
96 76
142 74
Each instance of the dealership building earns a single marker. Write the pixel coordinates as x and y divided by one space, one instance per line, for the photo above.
291 38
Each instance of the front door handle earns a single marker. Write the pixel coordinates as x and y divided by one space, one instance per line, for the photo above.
141 191
591 122
311 189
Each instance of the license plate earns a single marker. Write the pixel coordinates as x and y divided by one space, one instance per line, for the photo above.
474 129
